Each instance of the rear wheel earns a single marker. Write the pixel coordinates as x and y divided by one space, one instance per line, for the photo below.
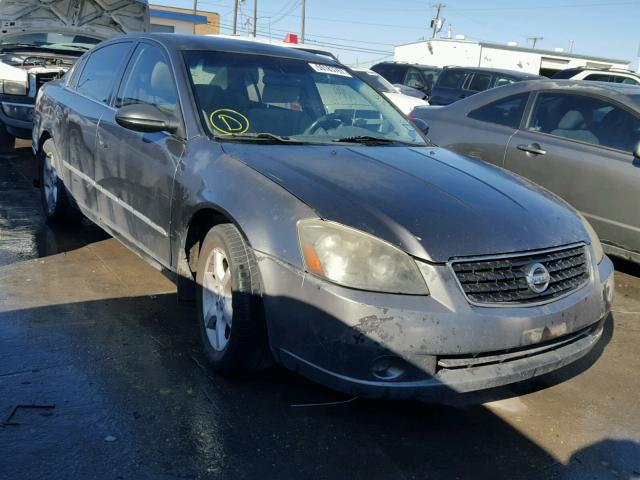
53 194
7 141
232 326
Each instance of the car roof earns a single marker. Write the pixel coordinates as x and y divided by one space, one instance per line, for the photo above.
552 83
408 64
512 73
222 44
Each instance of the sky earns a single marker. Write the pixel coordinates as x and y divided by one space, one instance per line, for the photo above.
363 32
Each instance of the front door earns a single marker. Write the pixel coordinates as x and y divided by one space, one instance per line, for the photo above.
137 169
580 147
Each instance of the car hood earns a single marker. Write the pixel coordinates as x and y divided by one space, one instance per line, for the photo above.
432 203
99 18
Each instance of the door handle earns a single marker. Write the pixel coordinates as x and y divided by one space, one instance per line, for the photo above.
532 148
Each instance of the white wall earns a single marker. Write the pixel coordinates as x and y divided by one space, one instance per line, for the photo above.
510 60
471 54
439 54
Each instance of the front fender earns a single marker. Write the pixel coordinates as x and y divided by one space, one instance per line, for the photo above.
265 212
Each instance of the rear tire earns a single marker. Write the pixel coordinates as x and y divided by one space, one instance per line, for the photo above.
53 194
229 306
7 141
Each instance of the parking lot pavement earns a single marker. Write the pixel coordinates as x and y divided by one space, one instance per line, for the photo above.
101 377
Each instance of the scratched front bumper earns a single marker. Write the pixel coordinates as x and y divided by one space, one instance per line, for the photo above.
334 335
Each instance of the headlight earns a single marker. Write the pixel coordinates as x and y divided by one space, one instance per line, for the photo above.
355 259
595 241
13 87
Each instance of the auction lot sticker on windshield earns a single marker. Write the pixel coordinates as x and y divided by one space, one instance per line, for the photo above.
329 69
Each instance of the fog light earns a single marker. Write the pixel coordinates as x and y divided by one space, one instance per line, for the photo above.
388 368
18 111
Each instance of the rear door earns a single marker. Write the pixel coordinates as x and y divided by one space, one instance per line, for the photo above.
137 169
485 132
92 87
580 147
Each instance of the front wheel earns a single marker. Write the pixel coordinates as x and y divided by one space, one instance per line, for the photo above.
53 194
229 306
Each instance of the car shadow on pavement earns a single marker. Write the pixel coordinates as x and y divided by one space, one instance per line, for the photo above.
129 395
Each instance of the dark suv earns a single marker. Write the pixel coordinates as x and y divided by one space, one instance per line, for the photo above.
455 83
420 77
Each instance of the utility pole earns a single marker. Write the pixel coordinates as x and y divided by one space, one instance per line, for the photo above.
303 21
535 40
571 45
195 12
235 17
436 23
255 17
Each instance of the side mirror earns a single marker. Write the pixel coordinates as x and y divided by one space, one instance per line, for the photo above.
420 124
146 118
636 151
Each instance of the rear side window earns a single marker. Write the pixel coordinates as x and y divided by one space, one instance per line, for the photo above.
393 73
479 82
502 81
101 71
598 77
451 78
625 80
506 111
414 79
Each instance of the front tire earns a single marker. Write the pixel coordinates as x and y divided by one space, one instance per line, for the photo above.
229 305
7 141
53 194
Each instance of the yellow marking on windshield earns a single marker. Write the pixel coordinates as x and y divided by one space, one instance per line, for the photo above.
228 121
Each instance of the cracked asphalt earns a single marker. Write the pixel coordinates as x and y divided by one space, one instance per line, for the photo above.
101 377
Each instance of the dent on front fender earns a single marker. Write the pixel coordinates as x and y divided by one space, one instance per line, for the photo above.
265 212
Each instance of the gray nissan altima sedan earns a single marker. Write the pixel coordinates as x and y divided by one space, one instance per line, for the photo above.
314 225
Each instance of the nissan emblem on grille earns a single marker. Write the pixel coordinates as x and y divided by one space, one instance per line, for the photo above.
525 278
537 276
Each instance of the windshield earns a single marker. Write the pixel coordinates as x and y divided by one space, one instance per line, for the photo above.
51 41
377 81
244 95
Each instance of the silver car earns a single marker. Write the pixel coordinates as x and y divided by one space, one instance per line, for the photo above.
314 225
578 139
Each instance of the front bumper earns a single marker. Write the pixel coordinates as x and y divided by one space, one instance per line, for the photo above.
18 127
357 342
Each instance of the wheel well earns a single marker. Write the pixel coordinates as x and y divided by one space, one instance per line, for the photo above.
201 222
43 138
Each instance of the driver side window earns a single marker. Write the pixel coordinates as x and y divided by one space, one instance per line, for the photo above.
148 80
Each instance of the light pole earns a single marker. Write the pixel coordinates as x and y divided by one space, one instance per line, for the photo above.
195 12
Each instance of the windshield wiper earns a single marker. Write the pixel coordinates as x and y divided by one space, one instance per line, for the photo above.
259 136
366 140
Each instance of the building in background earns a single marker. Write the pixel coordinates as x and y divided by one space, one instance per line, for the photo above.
442 52
182 20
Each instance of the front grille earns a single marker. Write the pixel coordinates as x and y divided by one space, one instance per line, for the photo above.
42 78
502 280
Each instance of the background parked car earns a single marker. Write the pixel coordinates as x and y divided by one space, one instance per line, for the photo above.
419 77
578 139
455 83
599 75
405 103
40 41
